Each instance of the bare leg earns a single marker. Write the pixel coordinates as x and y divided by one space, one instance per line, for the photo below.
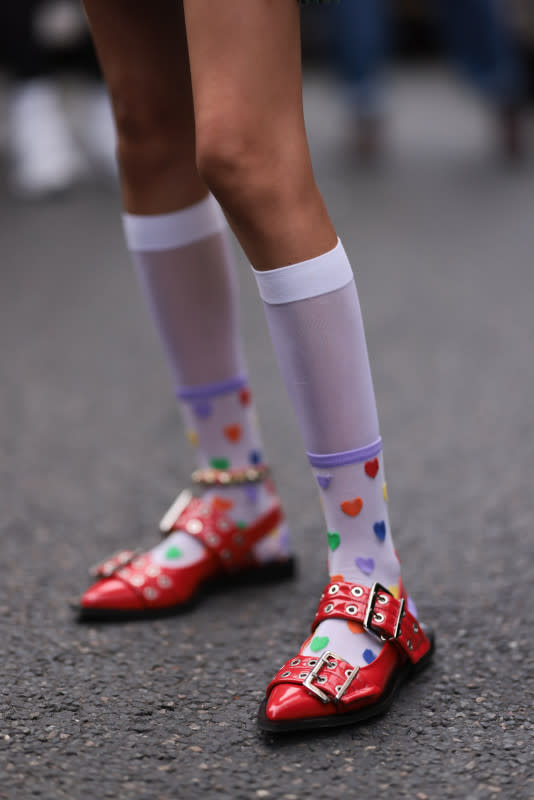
143 54
251 140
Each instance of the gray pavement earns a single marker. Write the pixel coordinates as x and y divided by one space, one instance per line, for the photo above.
442 240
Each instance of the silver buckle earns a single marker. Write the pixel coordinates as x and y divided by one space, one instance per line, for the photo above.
170 516
377 589
323 697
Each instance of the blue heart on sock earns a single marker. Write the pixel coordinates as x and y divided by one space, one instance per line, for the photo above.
202 409
368 656
252 491
380 530
324 481
254 457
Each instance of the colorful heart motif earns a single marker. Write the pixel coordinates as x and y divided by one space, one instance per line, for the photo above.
372 467
368 656
319 643
395 590
352 507
222 504
334 540
365 565
233 433
356 627
380 530
385 491
245 396
202 409
192 437
324 481
254 457
220 463
173 552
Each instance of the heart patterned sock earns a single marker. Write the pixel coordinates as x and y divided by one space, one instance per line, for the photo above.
186 267
314 316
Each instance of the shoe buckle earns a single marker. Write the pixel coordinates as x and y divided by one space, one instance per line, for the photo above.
179 505
330 660
379 594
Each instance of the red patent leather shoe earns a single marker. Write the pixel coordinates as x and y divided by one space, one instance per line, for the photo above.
325 692
131 585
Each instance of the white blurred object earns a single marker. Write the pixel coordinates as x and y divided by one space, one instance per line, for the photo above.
59 23
43 153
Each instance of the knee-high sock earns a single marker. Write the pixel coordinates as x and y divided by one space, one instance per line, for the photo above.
186 267
314 316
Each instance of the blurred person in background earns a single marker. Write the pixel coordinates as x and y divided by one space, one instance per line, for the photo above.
478 38
52 143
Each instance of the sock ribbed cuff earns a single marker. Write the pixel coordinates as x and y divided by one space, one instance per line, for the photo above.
316 276
179 228
346 456
207 390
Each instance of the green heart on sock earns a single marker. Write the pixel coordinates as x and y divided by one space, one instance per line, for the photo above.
334 540
220 463
319 643
173 552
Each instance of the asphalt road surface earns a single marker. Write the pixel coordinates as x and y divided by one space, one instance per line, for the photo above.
442 241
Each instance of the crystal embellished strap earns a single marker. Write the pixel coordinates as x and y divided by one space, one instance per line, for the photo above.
230 477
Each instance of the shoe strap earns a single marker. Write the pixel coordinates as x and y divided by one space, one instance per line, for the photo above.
230 477
228 542
329 677
378 611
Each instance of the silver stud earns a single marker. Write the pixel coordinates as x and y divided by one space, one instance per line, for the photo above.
357 591
295 662
378 617
351 610
152 571
328 608
194 526
334 589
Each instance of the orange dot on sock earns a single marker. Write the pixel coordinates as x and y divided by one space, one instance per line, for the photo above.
233 433
222 503
337 578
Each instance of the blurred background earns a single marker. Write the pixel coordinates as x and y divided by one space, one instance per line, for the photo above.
420 116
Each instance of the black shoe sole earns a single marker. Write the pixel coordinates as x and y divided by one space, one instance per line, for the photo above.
265 573
407 672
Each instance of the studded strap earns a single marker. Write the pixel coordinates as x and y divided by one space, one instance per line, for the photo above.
330 678
230 543
379 612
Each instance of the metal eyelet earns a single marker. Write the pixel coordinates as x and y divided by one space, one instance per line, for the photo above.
334 589
348 672
226 554
337 689
150 593
328 608
378 617
194 526
410 644
415 627
164 581
285 674
320 679
238 538
295 662
357 591
312 662
331 664
303 675
382 598
351 610
152 571
213 539
137 580
223 525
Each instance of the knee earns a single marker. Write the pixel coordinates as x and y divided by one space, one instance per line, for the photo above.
150 133
233 162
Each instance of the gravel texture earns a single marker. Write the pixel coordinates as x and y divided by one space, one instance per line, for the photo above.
442 239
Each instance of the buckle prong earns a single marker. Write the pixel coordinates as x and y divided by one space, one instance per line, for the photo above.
325 659
377 589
